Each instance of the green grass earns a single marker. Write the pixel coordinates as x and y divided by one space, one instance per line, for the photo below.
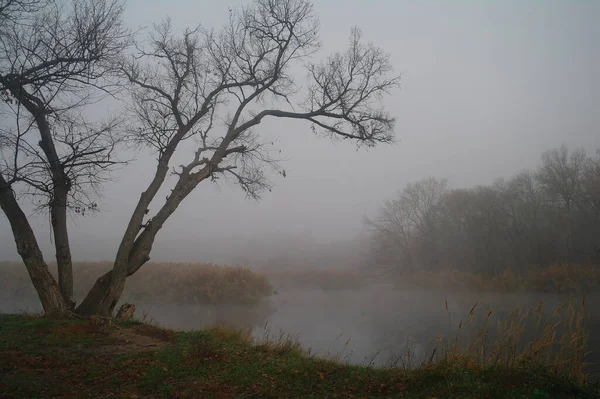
46 358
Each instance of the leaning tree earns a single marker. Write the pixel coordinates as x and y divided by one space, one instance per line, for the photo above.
209 90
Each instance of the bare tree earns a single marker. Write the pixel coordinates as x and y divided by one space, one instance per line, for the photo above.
536 218
423 201
591 186
405 233
589 210
526 205
560 174
183 86
55 58
17 11
392 236
457 228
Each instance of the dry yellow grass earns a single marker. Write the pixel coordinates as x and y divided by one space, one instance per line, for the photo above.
214 284
158 283
559 278
199 283
525 338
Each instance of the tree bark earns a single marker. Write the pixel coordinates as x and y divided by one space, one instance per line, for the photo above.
107 290
100 300
62 186
58 211
29 250
104 295
58 214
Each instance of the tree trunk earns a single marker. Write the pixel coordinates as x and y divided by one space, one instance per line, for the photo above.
106 292
61 184
134 250
58 211
29 250
101 300
58 215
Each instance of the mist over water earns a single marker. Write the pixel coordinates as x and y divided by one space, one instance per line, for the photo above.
486 89
377 325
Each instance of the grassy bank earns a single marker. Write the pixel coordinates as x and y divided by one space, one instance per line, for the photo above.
43 358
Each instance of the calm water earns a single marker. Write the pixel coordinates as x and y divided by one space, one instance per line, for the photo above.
375 325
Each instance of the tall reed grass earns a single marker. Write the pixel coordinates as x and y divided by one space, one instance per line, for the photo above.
156 283
533 340
524 338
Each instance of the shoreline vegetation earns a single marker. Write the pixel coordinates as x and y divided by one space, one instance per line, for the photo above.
56 358
211 284
525 353
555 279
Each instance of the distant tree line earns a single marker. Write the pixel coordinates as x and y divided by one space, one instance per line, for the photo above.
537 218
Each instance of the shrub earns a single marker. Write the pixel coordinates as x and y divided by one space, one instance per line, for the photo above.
559 278
198 283
156 283
565 278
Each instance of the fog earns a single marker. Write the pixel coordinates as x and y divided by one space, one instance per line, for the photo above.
377 325
486 88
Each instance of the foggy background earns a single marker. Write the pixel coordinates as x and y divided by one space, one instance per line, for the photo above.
486 88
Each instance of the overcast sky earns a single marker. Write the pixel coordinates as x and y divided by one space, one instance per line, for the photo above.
486 87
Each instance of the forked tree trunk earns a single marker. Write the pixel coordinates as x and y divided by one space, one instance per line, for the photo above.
106 292
29 250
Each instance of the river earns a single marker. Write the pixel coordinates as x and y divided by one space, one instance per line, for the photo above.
376 325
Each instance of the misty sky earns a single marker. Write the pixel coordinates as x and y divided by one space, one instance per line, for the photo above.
486 87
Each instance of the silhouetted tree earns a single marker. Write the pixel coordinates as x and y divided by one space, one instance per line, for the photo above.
392 236
183 86
560 175
54 58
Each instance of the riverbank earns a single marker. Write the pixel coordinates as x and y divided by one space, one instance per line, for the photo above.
96 358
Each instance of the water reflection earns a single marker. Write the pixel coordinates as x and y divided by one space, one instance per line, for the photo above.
376 325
